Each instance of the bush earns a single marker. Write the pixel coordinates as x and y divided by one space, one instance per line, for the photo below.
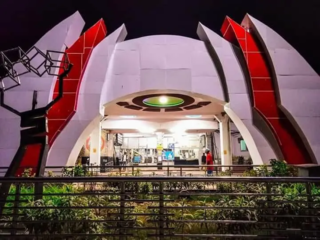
279 168
230 207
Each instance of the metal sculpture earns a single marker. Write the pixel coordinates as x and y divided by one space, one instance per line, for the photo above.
13 64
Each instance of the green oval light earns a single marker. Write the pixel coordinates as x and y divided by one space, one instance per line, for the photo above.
163 101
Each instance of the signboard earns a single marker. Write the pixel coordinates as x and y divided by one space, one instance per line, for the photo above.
118 140
171 146
168 155
159 147
136 159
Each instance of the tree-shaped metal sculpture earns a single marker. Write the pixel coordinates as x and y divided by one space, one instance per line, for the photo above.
13 64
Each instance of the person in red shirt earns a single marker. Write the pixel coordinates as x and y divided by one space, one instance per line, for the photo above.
209 162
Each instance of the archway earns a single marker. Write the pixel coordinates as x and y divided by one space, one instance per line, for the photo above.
205 110
151 65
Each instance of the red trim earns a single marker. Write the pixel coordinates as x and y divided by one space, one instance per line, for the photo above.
264 97
61 113
79 54
30 159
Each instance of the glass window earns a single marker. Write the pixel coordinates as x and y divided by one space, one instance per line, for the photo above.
243 146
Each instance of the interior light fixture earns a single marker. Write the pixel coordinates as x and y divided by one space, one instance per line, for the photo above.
178 130
146 130
163 99
193 116
128 116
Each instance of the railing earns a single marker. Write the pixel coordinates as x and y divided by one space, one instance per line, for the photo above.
162 208
144 170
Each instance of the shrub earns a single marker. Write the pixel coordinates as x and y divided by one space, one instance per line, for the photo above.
279 168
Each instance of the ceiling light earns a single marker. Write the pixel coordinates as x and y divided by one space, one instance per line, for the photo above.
193 116
163 99
146 130
128 116
178 130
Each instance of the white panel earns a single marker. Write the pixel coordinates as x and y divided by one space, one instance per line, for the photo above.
89 105
124 85
152 56
210 86
306 105
286 62
298 82
178 79
153 79
237 101
178 56
202 64
126 62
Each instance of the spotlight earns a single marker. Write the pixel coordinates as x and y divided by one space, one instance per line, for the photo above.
163 99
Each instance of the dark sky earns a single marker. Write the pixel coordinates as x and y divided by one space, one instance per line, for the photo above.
23 22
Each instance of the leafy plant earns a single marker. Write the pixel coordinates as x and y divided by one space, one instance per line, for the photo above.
76 171
279 168
187 205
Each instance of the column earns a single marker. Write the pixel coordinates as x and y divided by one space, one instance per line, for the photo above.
95 146
159 145
225 147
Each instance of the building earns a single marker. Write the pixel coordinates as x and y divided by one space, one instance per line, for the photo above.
250 76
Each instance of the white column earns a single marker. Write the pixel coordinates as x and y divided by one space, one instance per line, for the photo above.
225 147
95 145
159 145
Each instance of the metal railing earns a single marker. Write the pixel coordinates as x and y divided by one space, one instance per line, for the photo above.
162 208
144 170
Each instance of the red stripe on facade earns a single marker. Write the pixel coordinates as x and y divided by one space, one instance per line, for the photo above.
263 92
30 159
79 54
61 113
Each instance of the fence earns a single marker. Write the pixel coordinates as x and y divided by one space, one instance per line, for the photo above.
143 170
162 208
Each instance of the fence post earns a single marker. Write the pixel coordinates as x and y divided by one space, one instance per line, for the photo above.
269 202
180 171
132 170
15 210
122 210
161 211
168 171
310 205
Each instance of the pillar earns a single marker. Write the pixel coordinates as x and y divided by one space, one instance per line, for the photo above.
159 145
95 146
225 147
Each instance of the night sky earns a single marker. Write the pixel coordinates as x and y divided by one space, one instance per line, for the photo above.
23 22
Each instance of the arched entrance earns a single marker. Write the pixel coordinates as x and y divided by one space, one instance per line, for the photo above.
172 65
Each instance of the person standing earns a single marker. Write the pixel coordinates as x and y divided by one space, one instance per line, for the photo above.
124 160
209 162
203 161
118 158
